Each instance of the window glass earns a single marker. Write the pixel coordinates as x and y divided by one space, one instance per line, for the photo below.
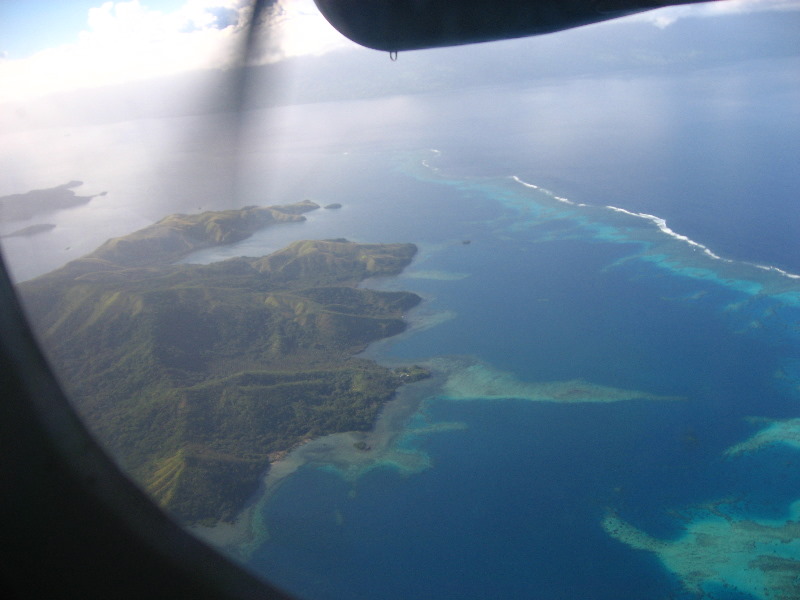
511 320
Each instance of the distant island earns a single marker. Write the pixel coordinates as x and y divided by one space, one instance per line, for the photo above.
196 377
31 230
18 207
333 205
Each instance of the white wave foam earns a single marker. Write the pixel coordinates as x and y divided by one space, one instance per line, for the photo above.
428 165
525 183
547 192
776 270
662 225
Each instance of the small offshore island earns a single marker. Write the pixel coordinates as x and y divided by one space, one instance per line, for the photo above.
197 377
17 207
31 230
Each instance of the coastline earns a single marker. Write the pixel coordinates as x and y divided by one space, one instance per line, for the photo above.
243 535
339 450
354 453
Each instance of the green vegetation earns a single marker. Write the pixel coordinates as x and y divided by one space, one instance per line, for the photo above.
175 236
195 377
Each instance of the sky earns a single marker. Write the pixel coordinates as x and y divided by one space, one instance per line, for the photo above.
49 46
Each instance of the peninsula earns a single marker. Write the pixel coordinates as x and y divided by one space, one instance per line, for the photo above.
196 377
35 202
31 230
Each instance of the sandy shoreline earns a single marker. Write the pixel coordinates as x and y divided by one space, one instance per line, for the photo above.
353 453
340 451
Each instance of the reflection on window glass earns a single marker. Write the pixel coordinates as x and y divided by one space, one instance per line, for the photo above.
510 320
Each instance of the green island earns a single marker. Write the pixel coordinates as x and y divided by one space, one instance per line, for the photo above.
197 377
35 202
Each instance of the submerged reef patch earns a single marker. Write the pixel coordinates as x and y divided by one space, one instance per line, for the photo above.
776 432
436 275
468 379
756 557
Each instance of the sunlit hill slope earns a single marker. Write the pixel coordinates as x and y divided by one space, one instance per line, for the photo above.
196 376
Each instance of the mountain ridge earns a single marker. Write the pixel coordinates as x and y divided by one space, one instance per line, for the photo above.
196 377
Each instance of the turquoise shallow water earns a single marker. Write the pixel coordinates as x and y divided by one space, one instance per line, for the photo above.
596 377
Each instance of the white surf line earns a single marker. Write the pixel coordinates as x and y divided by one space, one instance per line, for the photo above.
657 221
546 192
775 270
663 227
426 164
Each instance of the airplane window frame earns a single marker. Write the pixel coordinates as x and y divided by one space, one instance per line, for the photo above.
75 526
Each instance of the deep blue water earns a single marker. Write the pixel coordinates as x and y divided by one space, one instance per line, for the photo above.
545 291
513 503
494 518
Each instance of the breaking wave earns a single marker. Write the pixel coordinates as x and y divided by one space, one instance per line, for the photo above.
662 226
546 192
659 222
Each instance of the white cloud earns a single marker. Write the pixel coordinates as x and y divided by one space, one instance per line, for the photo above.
127 41
667 16
296 28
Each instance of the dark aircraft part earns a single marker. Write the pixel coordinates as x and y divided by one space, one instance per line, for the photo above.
73 525
394 25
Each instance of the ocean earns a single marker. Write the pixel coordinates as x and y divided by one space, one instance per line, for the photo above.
595 372
612 319
611 285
